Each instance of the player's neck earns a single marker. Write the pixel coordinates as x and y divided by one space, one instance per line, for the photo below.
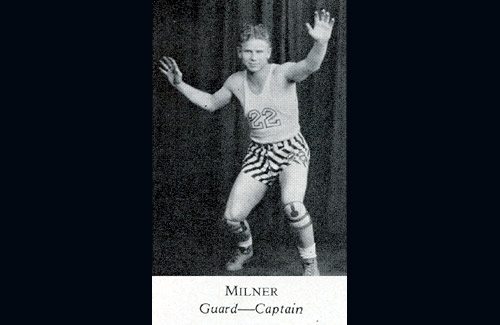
259 77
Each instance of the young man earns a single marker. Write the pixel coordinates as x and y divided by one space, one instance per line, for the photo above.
278 151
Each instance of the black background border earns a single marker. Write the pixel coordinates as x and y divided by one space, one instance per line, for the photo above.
90 201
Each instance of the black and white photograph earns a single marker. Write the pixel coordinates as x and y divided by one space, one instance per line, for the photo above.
249 141
249 161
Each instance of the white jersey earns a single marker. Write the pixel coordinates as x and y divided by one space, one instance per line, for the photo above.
273 115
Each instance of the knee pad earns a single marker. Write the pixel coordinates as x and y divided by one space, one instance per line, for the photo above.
297 215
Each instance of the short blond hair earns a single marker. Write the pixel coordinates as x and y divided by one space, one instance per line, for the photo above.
250 31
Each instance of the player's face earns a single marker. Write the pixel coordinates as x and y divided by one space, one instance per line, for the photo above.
255 54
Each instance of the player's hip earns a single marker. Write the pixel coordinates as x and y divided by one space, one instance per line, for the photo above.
293 148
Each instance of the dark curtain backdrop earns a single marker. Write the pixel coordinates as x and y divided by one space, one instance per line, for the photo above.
197 155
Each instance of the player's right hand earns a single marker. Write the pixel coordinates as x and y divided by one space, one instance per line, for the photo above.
171 70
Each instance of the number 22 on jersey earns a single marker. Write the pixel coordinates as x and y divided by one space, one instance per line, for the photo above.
266 119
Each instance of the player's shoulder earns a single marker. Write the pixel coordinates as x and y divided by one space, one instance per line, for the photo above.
235 79
282 68
286 65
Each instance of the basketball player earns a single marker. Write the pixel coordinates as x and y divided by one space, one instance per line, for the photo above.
278 150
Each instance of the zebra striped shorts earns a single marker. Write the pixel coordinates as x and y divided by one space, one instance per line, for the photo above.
264 162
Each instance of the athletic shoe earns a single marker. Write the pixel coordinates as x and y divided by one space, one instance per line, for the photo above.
241 257
310 266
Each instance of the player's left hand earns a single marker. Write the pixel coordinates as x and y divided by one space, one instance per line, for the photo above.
323 26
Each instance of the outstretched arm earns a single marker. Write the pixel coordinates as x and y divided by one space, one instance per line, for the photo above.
321 33
209 102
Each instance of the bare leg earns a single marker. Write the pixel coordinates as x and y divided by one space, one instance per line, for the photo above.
245 195
293 180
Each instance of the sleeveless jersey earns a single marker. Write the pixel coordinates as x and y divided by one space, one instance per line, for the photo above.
272 116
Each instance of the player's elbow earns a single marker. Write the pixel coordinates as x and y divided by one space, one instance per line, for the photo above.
314 67
209 107
212 106
208 104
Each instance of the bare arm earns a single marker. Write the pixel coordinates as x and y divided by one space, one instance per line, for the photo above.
209 102
321 33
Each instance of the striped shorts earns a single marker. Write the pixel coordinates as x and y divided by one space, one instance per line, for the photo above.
264 162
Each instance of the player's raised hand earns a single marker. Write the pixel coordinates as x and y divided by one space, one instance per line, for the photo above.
171 70
323 26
